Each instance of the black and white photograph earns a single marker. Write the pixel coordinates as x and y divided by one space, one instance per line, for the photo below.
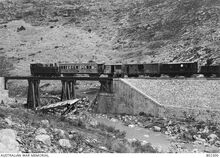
109 76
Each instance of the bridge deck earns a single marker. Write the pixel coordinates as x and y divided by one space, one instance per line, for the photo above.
101 78
56 78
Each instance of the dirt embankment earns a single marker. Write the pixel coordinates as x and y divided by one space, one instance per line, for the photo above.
181 93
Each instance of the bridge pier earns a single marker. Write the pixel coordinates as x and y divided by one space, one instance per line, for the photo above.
68 89
3 92
33 96
106 86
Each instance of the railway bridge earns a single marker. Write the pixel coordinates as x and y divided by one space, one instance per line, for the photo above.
152 96
68 86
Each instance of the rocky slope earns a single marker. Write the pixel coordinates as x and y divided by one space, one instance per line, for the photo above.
25 131
110 30
174 30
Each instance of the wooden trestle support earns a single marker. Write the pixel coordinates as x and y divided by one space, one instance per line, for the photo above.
33 98
68 91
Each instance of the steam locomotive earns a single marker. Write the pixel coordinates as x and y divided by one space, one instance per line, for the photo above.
94 69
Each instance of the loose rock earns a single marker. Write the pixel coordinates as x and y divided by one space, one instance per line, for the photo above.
144 142
206 130
114 120
60 133
41 131
71 136
44 139
8 132
212 136
45 123
65 143
103 147
131 126
156 129
217 143
8 143
73 132
9 121
94 122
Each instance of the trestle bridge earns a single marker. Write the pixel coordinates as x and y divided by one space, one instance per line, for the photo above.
68 86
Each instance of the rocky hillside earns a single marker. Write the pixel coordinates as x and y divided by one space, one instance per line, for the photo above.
169 30
112 30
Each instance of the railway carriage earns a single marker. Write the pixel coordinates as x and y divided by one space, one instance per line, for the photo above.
186 69
71 69
114 70
134 70
209 70
152 70
40 69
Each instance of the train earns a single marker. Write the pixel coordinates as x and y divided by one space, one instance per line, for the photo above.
93 69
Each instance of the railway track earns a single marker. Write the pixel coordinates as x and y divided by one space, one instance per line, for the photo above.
109 78
174 78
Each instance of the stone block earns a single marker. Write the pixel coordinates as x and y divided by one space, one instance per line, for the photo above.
2 83
4 96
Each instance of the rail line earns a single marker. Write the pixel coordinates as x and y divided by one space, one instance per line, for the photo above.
104 78
174 78
56 78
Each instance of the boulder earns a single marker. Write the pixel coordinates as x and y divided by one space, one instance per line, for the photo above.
206 130
61 133
11 144
156 129
103 148
212 136
131 126
8 143
144 142
3 148
146 135
114 120
73 132
132 140
65 143
44 139
211 149
199 139
9 133
217 143
45 123
21 28
93 122
71 136
40 131
9 121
